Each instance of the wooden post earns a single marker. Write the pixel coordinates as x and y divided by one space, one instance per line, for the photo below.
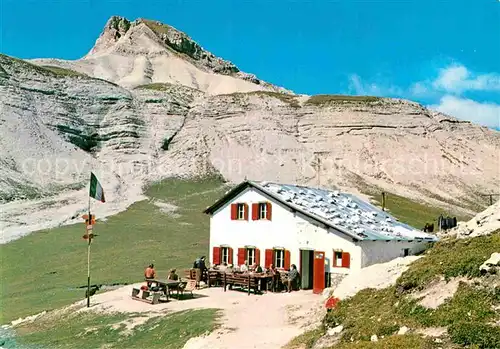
383 201
490 195
224 282
249 284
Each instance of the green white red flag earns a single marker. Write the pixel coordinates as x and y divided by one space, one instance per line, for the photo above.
96 191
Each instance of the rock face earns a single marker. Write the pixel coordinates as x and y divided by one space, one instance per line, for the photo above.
145 51
147 103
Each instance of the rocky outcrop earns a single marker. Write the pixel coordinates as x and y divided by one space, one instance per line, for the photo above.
484 223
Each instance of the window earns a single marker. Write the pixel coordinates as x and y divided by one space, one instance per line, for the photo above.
250 256
262 210
279 258
241 211
337 259
224 251
341 259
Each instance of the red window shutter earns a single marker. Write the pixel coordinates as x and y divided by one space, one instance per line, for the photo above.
234 212
287 259
216 257
257 256
269 258
346 260
230 256
268 211
255 212
242 255
245 210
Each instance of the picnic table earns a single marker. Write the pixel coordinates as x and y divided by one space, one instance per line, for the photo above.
157 289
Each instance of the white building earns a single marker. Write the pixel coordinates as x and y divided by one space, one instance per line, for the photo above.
324 233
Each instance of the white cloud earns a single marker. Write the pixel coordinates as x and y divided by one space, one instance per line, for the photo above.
359 87
486 114
447 89
457 78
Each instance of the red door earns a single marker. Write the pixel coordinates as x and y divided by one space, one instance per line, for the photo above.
319 272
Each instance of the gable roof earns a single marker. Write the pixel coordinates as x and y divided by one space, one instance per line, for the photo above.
341 211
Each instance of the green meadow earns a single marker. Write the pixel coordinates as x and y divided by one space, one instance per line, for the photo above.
43 270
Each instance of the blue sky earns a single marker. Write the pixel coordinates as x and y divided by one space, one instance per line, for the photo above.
445 54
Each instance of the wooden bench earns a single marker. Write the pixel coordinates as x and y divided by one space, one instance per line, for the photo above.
248 281
155 299
215 278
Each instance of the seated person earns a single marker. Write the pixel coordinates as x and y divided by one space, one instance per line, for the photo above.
223 267
244 267
230 268
257 268
172 275
150 273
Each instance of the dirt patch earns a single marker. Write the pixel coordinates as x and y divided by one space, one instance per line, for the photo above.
432 331
265 321
437 293
375 276
167 208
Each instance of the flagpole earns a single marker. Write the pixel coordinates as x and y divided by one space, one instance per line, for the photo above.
88 259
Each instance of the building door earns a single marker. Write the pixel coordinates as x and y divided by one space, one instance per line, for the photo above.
319 272
306 269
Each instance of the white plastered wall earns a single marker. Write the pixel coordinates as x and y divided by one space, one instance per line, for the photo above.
289 230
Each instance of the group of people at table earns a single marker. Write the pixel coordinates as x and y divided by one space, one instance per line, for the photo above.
273 273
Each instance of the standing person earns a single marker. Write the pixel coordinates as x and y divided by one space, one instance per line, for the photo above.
275 276
293 275
201 267
150 273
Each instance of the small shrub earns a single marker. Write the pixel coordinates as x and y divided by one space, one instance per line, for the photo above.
320 100
166 142
62 71
475 333
86 143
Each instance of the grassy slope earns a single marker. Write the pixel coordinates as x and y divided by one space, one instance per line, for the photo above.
39 272
411 212
468 315
89 330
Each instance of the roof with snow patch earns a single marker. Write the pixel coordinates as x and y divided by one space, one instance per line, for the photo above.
341 211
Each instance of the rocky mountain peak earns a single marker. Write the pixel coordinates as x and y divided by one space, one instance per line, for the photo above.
115 28
119 32
143 51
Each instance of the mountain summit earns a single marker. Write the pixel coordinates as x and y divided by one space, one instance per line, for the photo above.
145 51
